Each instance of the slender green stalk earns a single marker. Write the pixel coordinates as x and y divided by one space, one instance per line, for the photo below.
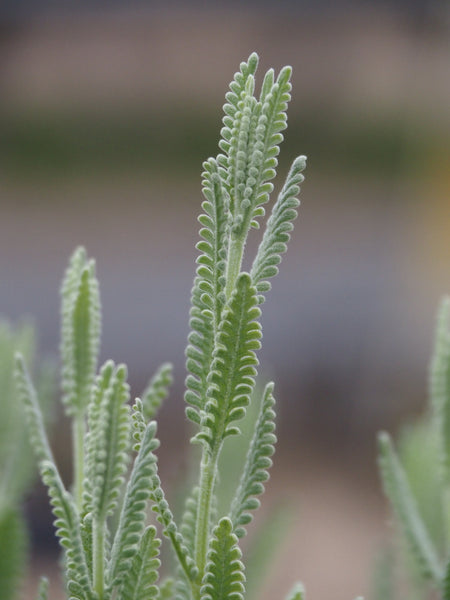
208 474
234 262
78 433
98 558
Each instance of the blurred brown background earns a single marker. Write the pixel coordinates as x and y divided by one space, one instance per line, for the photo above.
107 110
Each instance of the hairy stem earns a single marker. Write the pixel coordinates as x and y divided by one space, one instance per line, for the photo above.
78 432
98 559
208 474
234 262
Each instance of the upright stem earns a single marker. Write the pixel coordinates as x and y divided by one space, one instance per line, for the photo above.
78 432
208 469
208 474
234 262
98 558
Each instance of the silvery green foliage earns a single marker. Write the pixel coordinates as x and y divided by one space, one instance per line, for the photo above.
17 468
115 477
417 482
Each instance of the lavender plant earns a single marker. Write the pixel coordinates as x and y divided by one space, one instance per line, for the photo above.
17 467
417 482
107 562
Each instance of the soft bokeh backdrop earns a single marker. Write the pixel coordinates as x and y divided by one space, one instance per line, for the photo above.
106 113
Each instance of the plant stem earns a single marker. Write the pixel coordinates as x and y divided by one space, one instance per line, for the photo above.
208 472
234 262
79 429
98 544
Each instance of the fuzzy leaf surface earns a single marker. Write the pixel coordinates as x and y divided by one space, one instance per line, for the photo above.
233 371
440 384
208 295
33 413
157 391
68 531
250 141
80 331
257 464
133 513
278 229
108 440
224 573
139 582
399 493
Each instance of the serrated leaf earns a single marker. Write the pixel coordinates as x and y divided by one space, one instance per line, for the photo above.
80 331
399 493
68 530
133 512
250 141
157 391
207 292
232 374
171 531
278 228
140 578
257 463
108 441
440 384
224 573
33 413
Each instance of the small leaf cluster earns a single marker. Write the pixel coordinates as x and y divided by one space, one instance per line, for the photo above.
417 482
100 562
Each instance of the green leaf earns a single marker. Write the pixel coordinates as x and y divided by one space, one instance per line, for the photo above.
297 592
189 520
80 331
232 121
156 391
418 447
140 578
68 531
250 141
133 513
13 552
33 413
256 466
224 573
17 468
166 588
440 384
43 589
107 441
171 531
233 372
399 493
208 294
278 229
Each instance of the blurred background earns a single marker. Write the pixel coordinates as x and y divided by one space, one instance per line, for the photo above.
107 110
